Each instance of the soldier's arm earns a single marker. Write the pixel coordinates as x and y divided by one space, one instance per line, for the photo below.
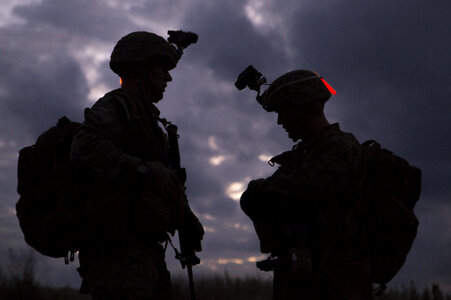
320 179
95 144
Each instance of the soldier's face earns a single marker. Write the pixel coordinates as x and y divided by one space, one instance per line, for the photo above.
295 121
155 81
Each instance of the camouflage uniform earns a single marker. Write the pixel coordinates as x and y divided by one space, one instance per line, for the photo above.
127 213
308 213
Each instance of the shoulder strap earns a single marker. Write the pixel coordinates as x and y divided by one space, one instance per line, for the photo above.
371 143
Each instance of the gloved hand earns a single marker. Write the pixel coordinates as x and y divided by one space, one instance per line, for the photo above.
194 229
160 202
252 197
164 183
191 233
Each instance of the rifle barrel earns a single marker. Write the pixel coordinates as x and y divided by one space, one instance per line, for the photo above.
191 282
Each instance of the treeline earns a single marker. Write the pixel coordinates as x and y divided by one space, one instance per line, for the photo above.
225 287
20 283
432 292
217 288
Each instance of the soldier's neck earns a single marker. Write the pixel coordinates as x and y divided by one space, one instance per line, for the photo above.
315 127
131 87
136 88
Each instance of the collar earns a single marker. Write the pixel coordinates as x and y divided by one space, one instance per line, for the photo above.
142 103
324 132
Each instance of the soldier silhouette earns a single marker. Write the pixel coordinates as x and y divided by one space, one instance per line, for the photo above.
308 213
135 199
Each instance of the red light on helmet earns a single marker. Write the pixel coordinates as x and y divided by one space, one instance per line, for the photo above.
331 89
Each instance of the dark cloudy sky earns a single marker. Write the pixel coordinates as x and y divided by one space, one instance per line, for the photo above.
388 60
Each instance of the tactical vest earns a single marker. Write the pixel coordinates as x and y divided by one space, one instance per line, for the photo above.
145 138
114 205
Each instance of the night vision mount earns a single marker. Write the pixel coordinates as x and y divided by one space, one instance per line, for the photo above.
252 79
181 39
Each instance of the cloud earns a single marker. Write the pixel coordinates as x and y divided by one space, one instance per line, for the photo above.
88 18
42 82
228 41
388 62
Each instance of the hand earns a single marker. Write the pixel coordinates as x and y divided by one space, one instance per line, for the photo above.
194 227
253 198
256 183
162 180
160 202
191 233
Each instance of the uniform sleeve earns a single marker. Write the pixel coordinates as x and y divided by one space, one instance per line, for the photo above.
95 144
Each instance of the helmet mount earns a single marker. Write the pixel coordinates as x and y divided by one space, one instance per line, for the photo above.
302 84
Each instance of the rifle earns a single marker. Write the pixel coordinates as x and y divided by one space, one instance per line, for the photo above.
187 255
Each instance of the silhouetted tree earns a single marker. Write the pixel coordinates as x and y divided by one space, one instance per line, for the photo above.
426 294
437 294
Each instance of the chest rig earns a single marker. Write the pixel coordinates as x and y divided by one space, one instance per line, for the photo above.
144 138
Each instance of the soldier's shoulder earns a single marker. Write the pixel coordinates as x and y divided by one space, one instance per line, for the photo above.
114 101
338 143
342 138
111 99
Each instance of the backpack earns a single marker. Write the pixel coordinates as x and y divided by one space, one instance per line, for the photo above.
392 188
49 207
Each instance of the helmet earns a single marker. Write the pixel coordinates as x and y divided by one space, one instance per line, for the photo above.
140 47
296 88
